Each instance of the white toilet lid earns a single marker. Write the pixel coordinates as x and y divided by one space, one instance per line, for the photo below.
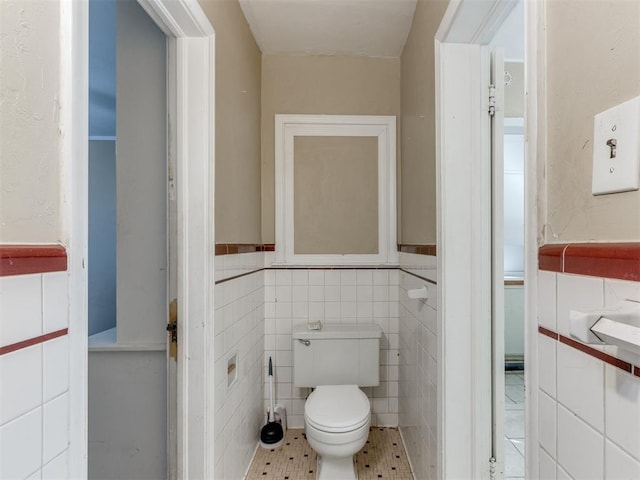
337 408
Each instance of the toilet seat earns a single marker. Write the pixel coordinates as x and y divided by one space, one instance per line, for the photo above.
337 408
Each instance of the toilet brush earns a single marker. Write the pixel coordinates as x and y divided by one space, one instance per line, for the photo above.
271 435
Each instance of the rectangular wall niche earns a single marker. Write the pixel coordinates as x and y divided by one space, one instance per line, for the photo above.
335 189
335 195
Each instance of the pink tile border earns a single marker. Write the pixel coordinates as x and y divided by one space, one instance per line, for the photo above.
605 260
33 341
600 355
26 259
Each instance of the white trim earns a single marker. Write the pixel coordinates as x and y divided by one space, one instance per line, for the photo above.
196 257
497 254
473 22
535 212
463 176
179 18
464 271
186 23
74 125
287 127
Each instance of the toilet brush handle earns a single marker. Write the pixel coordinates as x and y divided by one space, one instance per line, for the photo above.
272 417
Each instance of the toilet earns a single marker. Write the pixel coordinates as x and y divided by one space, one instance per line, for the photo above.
336 361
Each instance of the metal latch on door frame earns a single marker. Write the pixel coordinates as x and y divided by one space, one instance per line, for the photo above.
172 329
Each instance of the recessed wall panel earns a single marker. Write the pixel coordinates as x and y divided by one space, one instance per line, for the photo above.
335 195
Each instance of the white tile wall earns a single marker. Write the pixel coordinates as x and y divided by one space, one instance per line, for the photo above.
56 469
581 384
55 429
622 409
619 464
562 475
227 266
21 445
55 301
597 424
418 366
239 329
576 292
21 380
546 466
580 447
34 411
295 297
547 299
547 359
56 380
20 308
547 428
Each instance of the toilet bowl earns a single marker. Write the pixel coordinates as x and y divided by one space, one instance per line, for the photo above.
337 419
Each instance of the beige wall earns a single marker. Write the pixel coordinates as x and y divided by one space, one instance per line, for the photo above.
593 64
418 173
334 85
335 198
29 122
237 124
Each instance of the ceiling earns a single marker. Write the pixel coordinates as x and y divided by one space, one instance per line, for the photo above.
373 28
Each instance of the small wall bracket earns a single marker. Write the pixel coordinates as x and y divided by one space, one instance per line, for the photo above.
619 326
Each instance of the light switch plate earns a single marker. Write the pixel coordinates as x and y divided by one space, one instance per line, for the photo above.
616 149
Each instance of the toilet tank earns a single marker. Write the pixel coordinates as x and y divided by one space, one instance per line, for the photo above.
336 355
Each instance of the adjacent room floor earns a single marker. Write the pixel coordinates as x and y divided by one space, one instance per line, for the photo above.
383 456
514 425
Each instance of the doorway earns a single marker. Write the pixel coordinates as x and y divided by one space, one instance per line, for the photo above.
191 108
469 89
128 265
510 37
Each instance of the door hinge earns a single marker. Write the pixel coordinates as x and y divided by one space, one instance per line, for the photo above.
492 100
172 329
492 468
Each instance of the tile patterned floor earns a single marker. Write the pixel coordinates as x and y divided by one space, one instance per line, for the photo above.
383 457
514 425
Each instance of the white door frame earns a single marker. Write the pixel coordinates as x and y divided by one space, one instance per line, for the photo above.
463 182
534 212
192 38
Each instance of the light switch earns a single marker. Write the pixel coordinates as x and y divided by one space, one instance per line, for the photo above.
616 149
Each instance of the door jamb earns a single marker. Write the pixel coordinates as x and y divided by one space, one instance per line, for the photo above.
185 24
534 211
